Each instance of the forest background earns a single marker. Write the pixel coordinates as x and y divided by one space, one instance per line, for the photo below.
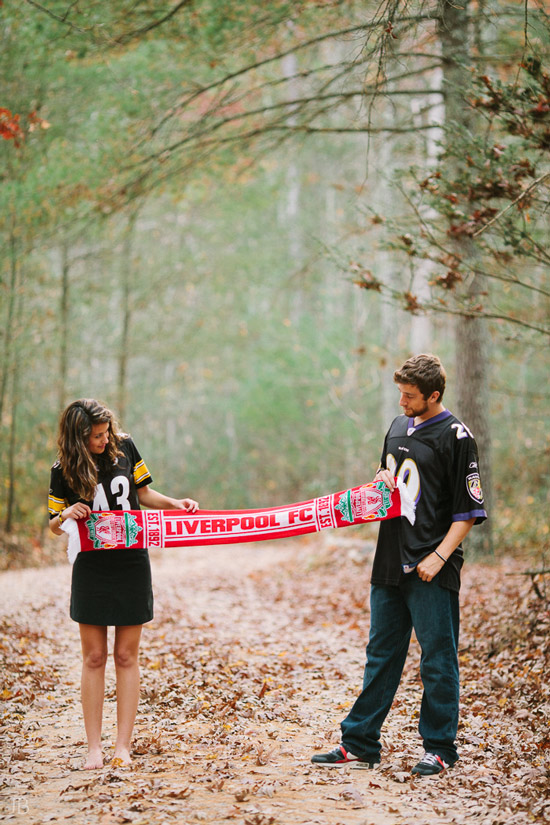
231 221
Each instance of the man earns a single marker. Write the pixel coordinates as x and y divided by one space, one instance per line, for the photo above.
416 573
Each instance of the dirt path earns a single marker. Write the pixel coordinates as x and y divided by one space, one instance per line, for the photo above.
253 657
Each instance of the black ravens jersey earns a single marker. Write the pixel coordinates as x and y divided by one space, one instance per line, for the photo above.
438 462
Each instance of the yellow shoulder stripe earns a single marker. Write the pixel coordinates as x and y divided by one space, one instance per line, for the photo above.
56 505
140 471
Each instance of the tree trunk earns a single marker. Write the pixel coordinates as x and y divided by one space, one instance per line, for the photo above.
12 443
64 327
124 354
8 329
291 196
421 325
471 334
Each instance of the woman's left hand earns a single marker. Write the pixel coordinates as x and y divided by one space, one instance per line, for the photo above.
189 504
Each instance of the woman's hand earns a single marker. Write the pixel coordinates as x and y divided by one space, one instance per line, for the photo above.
189 504
76 511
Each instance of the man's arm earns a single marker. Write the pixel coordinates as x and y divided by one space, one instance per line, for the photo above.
432 564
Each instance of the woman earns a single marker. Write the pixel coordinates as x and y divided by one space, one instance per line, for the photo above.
100 468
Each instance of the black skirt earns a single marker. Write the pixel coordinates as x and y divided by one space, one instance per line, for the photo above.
112 587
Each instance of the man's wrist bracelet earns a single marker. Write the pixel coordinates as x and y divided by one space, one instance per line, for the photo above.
60 518
440 556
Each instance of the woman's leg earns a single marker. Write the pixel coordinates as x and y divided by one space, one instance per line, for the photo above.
93 639
126 655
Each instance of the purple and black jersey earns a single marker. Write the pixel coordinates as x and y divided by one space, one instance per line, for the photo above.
438 461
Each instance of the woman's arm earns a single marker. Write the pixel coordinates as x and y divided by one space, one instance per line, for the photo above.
157 501
78 510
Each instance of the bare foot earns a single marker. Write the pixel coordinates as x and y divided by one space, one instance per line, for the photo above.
121 757
94 760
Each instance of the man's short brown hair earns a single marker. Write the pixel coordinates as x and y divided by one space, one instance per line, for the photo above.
425 372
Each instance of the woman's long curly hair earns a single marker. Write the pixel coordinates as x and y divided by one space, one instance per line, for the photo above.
79 466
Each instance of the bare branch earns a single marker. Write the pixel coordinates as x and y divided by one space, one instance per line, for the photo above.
370 130
56 16
512 204
496 277
279 56
472 313
207 127
125 38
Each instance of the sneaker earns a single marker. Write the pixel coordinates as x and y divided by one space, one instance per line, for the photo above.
340 757
430 765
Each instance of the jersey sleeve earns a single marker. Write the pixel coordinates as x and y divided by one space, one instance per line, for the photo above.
468 501
382 464
141 475
57 500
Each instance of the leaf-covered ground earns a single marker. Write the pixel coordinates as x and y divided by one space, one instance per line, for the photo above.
254 655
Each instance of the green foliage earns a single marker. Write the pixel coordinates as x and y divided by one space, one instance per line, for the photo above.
496 195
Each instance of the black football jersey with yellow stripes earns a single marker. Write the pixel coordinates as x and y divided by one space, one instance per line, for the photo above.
117 485
438 461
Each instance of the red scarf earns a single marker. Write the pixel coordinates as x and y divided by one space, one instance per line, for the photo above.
111 530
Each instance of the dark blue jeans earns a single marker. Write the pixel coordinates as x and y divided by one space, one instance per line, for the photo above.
434 614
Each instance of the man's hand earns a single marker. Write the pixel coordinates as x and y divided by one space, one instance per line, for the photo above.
432 564
387 477
429 567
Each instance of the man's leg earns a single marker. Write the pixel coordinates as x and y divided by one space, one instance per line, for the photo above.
435 614
390 633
